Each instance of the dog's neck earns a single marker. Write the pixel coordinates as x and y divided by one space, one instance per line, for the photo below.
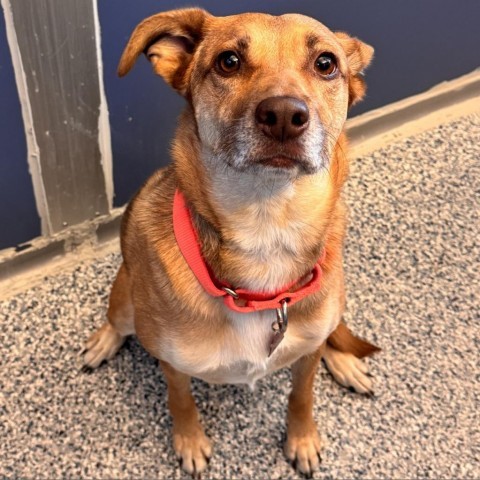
257 231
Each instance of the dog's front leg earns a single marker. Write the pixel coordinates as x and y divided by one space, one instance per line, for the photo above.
303 442
191 444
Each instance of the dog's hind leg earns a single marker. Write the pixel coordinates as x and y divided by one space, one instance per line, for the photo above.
343 357
107 340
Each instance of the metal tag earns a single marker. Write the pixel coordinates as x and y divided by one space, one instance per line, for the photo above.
279 327
275 342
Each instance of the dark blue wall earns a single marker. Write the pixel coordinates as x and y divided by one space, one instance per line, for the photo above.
142 108
19 220
418 44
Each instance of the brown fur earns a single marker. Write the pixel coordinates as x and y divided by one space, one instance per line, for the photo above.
156 294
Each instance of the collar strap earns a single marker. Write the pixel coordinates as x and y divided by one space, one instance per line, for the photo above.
238 300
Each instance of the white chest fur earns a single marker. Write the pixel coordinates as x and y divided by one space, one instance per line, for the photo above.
250 361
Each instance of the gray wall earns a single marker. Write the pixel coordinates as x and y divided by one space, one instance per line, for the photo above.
419 43
57 44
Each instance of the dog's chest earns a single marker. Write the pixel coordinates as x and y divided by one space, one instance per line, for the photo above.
241 357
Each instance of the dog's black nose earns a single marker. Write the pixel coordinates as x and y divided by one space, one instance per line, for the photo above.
282 118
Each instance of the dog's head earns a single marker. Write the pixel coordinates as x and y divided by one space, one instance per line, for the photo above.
268 93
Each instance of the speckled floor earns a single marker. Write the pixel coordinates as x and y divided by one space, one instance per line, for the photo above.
413 280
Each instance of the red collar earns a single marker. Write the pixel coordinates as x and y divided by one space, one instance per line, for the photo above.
239 300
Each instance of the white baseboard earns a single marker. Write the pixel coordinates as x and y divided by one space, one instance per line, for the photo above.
415 114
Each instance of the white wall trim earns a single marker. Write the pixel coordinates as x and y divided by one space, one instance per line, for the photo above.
389 123
33 151
104 135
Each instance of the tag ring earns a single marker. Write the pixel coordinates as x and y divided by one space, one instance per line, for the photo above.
282 317
231 292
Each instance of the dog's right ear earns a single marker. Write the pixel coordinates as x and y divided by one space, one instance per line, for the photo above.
169 40
359 56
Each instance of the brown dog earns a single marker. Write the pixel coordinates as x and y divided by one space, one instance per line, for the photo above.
258 167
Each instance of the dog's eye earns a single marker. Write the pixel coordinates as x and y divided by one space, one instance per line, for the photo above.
326 64
228 62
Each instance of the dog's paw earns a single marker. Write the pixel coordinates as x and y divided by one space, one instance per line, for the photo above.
348 370
304 451
193 449
102 345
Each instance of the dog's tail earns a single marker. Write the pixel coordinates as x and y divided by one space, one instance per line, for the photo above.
343 340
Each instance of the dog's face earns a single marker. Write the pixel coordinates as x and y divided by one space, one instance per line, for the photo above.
270 94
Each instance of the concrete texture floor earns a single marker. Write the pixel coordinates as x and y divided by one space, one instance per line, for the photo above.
413 270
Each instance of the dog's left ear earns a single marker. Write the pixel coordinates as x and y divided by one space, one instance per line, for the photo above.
169 40
359 56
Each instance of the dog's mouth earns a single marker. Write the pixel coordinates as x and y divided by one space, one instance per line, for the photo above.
287 157
279 161
284 163
263 156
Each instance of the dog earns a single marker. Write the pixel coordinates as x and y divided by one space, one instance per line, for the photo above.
232 256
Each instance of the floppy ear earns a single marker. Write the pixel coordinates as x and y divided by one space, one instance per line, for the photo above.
169 40
359 56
